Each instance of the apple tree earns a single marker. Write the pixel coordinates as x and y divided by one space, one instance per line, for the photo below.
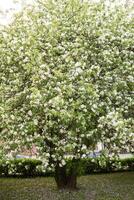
66 82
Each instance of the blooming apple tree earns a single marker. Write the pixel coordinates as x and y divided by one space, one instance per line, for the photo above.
66 81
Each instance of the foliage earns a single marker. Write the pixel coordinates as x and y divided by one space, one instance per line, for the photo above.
33 167
66 79
25 167
2 155
128 163
89 166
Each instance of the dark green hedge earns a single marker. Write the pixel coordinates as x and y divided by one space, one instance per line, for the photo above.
25 167
88 165
128 163
28 167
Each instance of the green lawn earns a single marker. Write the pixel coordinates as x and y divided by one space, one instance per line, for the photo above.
116 186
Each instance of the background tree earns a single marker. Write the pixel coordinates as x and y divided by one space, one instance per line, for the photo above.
66 74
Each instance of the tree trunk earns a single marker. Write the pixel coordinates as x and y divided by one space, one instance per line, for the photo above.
66 180
60 177
71 181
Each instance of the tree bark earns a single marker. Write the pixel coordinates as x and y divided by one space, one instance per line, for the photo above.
71 181
64 179
60 177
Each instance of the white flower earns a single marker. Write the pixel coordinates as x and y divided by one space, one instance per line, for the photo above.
84 156
63 162
30 113
47 154
12 117
35 121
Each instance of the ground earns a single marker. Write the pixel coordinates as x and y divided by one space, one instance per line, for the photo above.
114 186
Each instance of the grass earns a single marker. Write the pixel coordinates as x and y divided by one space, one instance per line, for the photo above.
115 186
